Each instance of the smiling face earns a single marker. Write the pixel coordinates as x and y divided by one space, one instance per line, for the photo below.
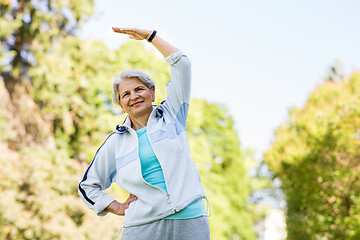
136 98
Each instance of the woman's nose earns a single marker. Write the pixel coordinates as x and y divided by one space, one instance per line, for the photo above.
133 95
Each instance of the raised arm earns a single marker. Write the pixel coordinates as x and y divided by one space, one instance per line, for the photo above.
163 46
178 89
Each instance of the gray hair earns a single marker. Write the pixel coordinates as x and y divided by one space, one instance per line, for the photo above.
148 81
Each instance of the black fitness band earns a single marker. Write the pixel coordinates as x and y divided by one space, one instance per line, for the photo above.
152 36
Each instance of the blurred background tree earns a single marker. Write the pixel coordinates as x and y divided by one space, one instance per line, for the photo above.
28 31
316 155
56 111
224 166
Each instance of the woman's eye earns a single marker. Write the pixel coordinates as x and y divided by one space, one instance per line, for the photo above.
125 95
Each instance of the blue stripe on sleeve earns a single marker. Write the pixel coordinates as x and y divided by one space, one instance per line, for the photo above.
181 116
85 175
172 129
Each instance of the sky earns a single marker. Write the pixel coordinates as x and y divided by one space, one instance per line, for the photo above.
258 58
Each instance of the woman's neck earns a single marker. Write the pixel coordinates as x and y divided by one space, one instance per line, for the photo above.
139 122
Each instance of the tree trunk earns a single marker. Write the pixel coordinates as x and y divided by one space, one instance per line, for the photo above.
23 115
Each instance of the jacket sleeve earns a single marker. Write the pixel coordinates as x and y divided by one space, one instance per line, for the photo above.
179 87
98 177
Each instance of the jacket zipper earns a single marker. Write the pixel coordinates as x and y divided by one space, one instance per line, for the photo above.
162 169
166 193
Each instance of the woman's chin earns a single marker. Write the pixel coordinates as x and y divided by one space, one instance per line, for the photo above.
140 112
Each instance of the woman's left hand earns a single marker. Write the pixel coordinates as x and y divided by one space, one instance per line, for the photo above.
119 208
134 33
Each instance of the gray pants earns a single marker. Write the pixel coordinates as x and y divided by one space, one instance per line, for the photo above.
170 229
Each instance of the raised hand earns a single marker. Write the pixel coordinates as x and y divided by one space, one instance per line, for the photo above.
163 46
134 33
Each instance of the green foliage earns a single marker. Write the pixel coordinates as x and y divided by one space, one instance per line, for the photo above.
34 27
216 151
56 111
316 156
69 87
72 86
39 198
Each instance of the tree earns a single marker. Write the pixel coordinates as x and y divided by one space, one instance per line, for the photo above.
216 151
316 156
56 111
33 29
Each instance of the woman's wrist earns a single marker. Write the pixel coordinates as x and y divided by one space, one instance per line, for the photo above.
115 207
148 35
149 39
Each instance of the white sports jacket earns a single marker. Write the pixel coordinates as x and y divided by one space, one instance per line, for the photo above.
117 160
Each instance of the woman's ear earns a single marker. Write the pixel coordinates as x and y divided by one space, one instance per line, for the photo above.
121 107
152 90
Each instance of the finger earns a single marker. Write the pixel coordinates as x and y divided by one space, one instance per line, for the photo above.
133 198
130 197
116 29
121 30
125 30
128 29
129 200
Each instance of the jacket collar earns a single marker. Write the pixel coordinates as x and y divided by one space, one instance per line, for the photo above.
126 125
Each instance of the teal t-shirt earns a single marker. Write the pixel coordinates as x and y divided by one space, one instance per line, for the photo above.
152 173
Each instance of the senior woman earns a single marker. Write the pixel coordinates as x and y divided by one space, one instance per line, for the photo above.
148 155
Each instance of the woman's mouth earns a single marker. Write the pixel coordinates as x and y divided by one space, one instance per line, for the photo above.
137 104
